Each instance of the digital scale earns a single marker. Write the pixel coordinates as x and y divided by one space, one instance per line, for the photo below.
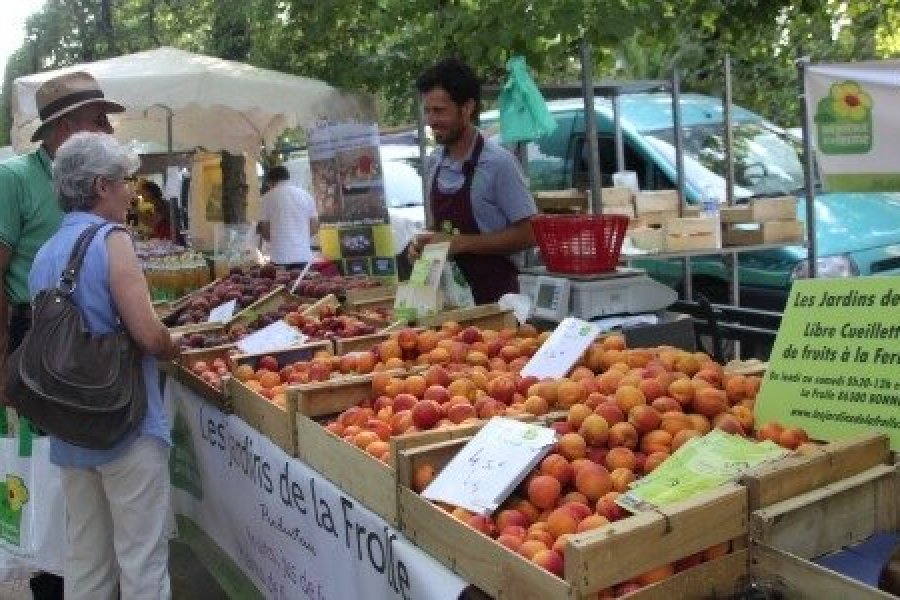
625 291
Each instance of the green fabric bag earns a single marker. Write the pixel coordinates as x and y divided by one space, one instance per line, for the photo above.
523 113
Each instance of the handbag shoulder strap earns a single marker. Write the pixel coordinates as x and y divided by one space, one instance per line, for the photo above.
69 275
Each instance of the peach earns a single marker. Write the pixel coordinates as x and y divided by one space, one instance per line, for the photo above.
544 491
502 387
729 424
675 421
512 517
438 393
561 521
744 416
751 386
656 441
526 508
654 459
415 385
572 446
597 454
620 457
404 401
594 429
614 342
437 375
607 507
621 478
644 418
536 405
511 541
483 524
664 404
770 431
422 476
652 389
700 423
611 412
623 434
550 560
460 412
577 414
608 382
792 438
462 387
593 481
682 437
379 449
556 465
569 393
682 390
381 428
710 402
579 510
426 414
591 522
364 438
530 548
628 396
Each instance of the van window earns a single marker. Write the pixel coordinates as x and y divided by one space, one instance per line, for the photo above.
650 177
549 156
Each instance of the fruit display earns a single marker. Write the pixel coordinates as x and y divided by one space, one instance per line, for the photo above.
244 288
376 315
318 286
271 376
622 421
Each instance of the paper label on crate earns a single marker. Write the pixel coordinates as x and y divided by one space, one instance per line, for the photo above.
222 312
701 464
486 470
563 348
277 336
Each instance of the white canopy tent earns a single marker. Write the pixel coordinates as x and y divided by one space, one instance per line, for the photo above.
176 100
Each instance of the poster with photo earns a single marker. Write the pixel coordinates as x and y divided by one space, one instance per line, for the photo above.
348 187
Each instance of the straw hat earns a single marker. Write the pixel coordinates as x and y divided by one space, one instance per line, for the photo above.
61 95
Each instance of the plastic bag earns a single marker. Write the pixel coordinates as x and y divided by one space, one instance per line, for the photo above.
523 113
456 289
32 506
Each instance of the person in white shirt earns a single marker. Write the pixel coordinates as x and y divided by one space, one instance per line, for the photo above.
288 219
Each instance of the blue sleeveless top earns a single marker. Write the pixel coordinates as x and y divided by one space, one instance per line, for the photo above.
92 295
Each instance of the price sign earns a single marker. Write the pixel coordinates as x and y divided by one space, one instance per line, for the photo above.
563 348
277 336
222 312
487 469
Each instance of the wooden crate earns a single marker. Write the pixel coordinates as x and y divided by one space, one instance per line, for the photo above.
625 211
655 201
276 422
653 219
690 233
793 577
359 474
617 196
561 201
648 238
829 463
594 560
487 316
379 292
770 232
181 371
835 515
386 300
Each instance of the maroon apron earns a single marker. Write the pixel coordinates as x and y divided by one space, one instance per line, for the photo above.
489 275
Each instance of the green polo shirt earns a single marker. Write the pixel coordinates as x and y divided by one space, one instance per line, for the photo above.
29 215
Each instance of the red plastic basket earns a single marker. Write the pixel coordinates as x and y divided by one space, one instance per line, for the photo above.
580 244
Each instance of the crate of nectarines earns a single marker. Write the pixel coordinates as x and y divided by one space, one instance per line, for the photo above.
204 372
562 534
460 384
260 387
485 316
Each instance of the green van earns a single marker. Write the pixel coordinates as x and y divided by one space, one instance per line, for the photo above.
857 234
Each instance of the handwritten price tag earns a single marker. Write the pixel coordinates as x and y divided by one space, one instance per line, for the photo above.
277 336
487 469
222 312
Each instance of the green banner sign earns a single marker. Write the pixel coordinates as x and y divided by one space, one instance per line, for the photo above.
835 367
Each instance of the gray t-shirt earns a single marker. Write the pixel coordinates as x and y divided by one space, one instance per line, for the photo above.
500 195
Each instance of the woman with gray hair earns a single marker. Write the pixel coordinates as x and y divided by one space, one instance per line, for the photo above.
117 500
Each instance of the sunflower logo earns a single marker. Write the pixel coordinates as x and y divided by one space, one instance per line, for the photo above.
16 492
850 101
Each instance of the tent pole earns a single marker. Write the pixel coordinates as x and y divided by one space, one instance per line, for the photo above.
808 172
595 200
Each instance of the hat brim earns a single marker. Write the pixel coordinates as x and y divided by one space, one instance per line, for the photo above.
108 105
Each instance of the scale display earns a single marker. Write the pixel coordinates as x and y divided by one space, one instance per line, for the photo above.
552 298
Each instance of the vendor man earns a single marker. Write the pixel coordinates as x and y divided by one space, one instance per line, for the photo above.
478 197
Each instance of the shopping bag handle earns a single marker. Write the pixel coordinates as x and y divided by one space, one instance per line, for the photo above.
26 432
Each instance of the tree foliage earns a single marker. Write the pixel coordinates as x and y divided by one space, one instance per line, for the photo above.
381 45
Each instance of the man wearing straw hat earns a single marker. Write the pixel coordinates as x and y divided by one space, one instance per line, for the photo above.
30 214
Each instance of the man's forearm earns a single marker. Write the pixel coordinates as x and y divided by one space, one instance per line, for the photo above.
514 238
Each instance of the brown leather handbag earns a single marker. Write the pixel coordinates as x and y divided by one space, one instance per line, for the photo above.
83 388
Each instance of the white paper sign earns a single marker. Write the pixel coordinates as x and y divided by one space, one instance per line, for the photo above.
563 348
222 312
487 469
277 336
